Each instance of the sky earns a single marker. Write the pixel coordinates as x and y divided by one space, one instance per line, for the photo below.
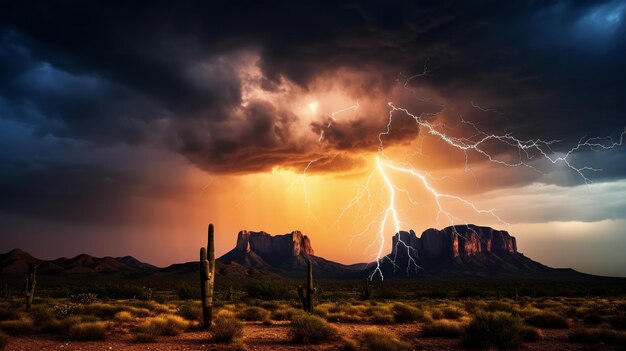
127 127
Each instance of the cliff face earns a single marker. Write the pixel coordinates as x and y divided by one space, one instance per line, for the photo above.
453 242
264 244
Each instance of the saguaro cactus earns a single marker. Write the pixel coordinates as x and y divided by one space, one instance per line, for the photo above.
306 294
367 290
31 283
207 280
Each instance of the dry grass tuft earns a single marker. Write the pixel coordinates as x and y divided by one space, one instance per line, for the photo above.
375 339
227 329
310 329
88 331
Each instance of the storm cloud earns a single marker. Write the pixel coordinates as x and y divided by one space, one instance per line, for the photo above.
192 78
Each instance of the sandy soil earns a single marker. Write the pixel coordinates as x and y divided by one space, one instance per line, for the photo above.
260 337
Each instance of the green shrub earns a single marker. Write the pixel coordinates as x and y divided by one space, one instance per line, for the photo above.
17 326
498 329
87 331
188 292
443 329
403 313
268 290
227 329
252 314
547 320
374 339
310 329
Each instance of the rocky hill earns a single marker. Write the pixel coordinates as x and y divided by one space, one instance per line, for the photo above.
285 253
460 250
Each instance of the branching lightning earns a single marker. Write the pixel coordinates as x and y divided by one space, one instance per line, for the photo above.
528 152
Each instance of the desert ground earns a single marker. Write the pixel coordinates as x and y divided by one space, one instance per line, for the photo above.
88 322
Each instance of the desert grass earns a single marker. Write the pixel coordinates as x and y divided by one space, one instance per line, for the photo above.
499 329
375 339
88 331
227 329
311 329
547 320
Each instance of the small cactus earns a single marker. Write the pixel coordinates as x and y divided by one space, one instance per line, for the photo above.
207 279
367 290
306 294
31 283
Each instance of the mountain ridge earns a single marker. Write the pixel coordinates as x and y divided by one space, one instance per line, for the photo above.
456 251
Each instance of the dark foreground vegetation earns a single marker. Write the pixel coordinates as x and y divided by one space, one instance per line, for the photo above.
397 315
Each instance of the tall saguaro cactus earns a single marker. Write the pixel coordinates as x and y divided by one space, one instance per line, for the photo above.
31 283
306 294
367 290
207 279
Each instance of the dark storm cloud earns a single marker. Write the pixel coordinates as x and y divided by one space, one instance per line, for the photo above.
168 74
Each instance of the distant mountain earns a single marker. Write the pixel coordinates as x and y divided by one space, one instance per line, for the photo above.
17 262
461 251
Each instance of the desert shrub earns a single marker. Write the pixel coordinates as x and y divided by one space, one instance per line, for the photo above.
64 310
54 326
267 290
374 339
452 313
123 316
592 319
403 313
443 328
87 331
169 325
282 314
41 314
498 329
472 306
436 314
547 320
84 298
17 326
382 317
227 329
4 340
252 314
8 313
618 321
309 329
190 311
188 292
499 306
531 333
597 336
99 309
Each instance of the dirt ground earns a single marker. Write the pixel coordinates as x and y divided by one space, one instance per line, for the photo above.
259 337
